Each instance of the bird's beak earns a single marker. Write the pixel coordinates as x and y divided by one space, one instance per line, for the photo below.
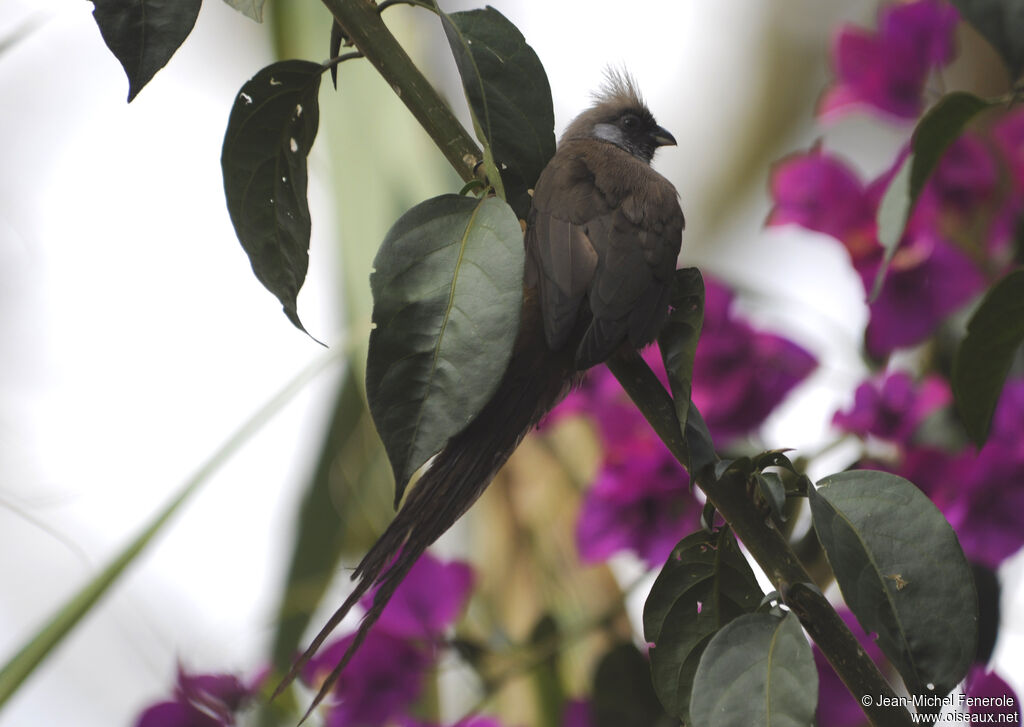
662 137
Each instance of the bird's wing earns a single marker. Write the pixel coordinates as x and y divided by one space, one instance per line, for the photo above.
561 260
605 229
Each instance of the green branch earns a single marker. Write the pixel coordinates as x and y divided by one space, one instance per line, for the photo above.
24 662
363 26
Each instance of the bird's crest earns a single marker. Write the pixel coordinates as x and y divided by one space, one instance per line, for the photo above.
619 88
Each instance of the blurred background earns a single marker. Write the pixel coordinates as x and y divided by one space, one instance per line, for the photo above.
136 339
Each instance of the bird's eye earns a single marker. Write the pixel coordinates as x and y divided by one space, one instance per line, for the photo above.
630 122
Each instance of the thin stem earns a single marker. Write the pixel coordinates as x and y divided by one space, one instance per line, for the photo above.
362 25
771 551
537 654
39 646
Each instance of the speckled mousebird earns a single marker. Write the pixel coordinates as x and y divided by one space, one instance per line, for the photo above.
602 237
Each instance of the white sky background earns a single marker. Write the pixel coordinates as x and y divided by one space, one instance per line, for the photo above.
136 339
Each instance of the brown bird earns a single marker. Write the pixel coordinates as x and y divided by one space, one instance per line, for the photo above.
602 238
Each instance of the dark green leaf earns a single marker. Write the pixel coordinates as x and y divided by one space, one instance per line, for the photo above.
699 446
773 491
939 128
509 96
622 694
989 612
994 333
350 466
678 337
447 292
250 8
758 670
902 573
1002 24
705 583
144 34
738 469
270 131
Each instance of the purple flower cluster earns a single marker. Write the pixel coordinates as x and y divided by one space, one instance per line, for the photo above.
886 70
960 233
979 492
960 237
200 700
387 673
838 708
384 678
740 374
930 276
893 407
957 238
641 500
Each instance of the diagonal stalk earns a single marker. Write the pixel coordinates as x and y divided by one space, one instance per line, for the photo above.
38 647
363 26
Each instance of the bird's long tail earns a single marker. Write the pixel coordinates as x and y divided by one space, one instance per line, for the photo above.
535 380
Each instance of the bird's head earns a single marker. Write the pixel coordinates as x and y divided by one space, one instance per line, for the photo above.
619 116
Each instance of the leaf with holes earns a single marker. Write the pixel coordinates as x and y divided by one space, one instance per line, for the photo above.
705 583
902 573
509 95
447 294
144 34
994 335
270 131
758 670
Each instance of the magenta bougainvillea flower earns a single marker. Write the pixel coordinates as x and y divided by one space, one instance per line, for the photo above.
927 281
985 692
928 278
381 682
979 492
1008 133
387 673
200 700
641 499
429 600
384 678
577 714
886 70
740 374
838 708
982 496
641 504
966 178
820 192
893 406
